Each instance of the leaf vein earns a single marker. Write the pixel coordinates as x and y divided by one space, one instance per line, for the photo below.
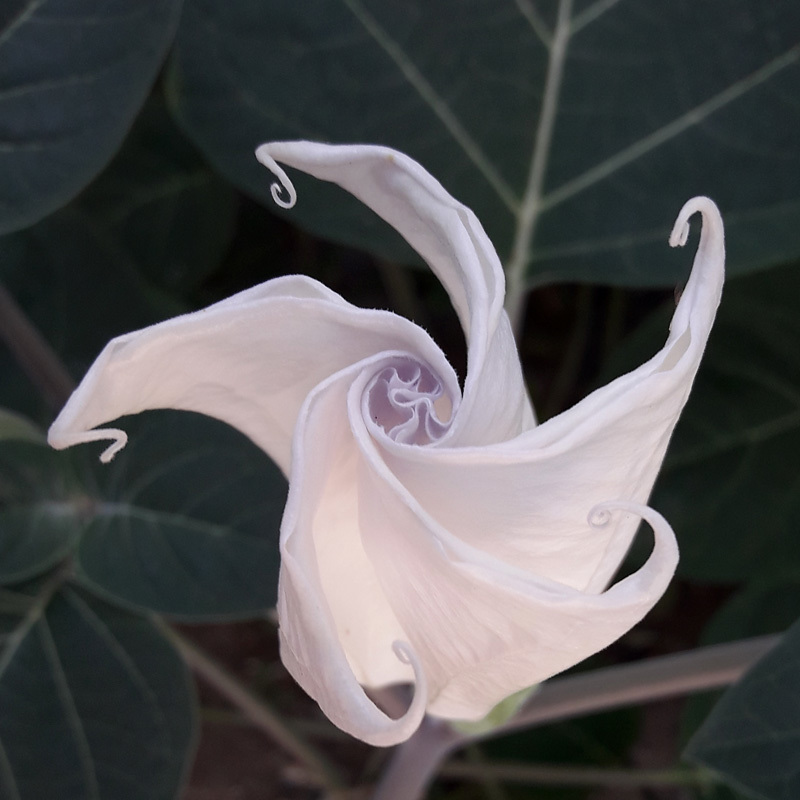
70 709
531 207
590 14
122 657
7 780
669 131
534 19
436 104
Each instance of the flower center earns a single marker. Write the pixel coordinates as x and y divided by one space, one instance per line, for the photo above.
406 399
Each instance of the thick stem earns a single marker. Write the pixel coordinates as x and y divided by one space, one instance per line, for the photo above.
646 681
416 763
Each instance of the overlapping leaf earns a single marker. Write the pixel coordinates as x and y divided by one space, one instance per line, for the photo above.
729 485
94 703
753 735
73 75
185 522
79 287
767 604
575 130
41 509
189 520
159 201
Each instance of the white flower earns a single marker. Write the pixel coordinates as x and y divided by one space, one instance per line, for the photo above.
431 534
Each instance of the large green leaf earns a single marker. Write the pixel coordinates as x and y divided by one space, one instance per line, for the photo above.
753 735
730 485
768 604
73 74
188 521
575 130
35 537
162 204
94 703
184 522
79 286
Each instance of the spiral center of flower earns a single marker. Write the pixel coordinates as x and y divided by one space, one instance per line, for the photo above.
406 399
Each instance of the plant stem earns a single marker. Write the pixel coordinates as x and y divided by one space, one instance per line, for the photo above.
574 775
416 762
33 353
645 681
483 773
254 709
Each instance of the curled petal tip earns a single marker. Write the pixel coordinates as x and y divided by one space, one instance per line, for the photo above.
403 651
599 516
60 441
282 191
708 209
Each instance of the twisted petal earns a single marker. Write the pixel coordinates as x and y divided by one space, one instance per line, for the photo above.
525 500
430 535
250 361
337 629
495 405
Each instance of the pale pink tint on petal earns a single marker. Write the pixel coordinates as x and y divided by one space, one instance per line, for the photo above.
453 243
525 500
250 361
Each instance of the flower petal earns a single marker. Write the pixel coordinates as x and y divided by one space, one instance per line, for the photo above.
495 405
250 361
482 628
336 628
525 501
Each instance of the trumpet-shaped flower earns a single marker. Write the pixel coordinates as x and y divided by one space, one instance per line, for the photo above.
433 533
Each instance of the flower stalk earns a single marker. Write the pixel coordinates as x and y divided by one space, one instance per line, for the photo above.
417 762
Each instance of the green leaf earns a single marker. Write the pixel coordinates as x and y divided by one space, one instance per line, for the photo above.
767 604
74 75
729 485
185 521
94 704
753 735
574 130
42 509
34 538
162 205
188 523
79 287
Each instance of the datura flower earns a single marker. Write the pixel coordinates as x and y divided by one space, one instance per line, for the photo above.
433 534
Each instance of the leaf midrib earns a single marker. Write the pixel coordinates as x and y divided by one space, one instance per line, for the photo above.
534 201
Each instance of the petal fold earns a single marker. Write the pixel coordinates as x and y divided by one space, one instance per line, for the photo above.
337 629
525 500
484 628
433 534
449 237
250 361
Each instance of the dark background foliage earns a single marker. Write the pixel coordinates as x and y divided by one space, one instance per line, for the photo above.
575 130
